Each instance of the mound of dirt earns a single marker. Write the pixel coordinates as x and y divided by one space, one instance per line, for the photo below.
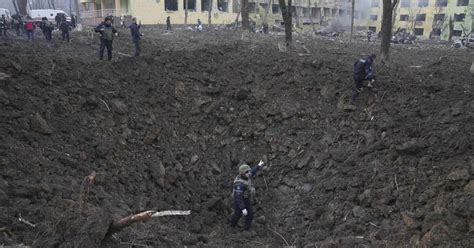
169 129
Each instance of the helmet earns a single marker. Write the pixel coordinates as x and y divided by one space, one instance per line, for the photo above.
244 168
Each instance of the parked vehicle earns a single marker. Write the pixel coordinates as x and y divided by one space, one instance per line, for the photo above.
466 41
38 14
7 14
401 36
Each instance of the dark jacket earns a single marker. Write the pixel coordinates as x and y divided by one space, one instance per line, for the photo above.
106 31
363 69
242 191
135 31
65 26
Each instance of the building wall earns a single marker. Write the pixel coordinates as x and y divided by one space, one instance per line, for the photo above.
429 24
154 12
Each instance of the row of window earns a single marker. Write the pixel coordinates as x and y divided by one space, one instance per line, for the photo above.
424 3
422 17
420 31
172 5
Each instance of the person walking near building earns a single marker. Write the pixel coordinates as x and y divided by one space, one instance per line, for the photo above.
107 33
362 72
136 36
168 24
47 28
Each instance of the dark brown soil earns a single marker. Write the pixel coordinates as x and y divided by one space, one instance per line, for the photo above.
169 129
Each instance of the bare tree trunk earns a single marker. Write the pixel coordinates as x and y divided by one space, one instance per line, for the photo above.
287 18
209 17
78 12
352 21
388 7
16 7
451 28
270 3
22 6
311 15
186 12
245 15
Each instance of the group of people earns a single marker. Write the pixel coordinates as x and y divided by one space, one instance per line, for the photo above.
28 27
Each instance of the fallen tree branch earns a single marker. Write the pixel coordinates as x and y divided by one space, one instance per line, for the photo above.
7 231
281 236
118 225
105 104
25 221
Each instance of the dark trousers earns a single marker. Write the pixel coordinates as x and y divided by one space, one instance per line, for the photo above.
30 34
238 214
357 89
48 34
137 48
65 35
168 27
3 31
105 44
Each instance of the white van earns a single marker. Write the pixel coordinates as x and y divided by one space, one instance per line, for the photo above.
7 14
38 14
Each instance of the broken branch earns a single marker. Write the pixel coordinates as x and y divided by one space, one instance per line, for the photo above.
118 225
105 104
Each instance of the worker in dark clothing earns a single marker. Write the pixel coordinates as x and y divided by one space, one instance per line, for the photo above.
3 26
16 25
65 27
107 33
58 19
135 31
168 24
369 35
47 28
244 194
362 72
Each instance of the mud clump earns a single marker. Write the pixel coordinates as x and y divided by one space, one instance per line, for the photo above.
169 129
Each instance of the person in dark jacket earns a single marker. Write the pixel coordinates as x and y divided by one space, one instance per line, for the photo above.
3 26
362 72
65 27
244 194
47 28
135 31
168 24
107 33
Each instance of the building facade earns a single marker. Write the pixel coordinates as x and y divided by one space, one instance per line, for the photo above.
428 19
222 11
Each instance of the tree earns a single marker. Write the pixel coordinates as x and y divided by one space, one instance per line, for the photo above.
352 20
16 7
245 15
388 6
267 10
185 12
22 6
287 19
209 16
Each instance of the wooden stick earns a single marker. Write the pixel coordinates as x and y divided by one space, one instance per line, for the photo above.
281 236
118 225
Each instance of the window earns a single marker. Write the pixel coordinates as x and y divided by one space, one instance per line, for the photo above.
326 11
405 3
422 3
436 32
418 31
205 4
463 2
222 5
171 5
438 17
191 5
457 32
420 17
404 17
441 3
252 7
373 17
373 29
375 3
275 8
459 17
